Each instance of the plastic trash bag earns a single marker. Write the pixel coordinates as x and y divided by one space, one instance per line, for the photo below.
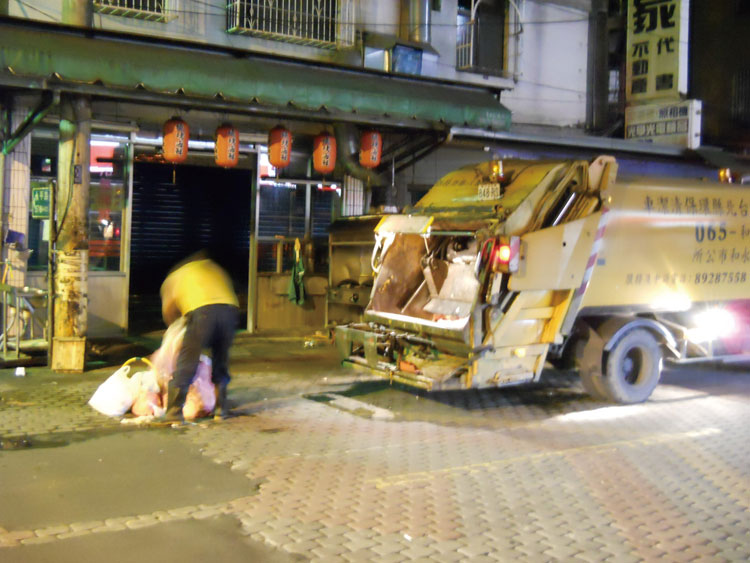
201 397
148 395
164 360
115 396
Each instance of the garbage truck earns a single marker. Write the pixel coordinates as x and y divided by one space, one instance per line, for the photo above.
508 264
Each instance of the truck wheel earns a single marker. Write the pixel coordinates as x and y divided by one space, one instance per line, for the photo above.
633 367
594 386
589 355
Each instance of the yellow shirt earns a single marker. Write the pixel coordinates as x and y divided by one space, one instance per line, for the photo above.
196 284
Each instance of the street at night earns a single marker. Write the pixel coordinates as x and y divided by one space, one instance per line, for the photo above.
374 280
322 464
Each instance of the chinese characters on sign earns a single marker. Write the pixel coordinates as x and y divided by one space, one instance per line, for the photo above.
676 123
40 200
655 61
719 233
690 205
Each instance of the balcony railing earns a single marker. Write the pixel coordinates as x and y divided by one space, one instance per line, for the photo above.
150 10
320 23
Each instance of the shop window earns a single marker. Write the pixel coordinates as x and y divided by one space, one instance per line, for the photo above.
283 219
107 198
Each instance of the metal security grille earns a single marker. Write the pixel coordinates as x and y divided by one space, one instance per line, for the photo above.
151 10
321 23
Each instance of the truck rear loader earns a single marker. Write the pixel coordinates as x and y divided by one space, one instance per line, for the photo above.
505 265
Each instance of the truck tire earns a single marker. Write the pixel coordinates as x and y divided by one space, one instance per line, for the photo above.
594 386
633 367
589 355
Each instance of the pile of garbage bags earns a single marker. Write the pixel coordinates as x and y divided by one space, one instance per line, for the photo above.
144 393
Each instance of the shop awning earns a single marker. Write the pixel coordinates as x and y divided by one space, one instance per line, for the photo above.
131 67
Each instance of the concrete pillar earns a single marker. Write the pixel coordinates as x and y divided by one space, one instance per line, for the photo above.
70 283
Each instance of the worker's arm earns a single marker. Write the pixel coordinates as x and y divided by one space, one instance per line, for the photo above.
169 310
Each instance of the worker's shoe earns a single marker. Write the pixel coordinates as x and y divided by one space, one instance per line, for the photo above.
175 402
221 410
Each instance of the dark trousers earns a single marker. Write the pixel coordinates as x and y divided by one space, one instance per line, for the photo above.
209 327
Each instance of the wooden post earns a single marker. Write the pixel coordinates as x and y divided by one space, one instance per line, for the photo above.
70 304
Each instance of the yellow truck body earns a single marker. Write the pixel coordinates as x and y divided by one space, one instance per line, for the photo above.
505 265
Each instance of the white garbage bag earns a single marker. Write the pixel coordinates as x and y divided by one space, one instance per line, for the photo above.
115 396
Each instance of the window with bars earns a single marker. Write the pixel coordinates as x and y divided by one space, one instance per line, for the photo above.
151 10
481 36
320 23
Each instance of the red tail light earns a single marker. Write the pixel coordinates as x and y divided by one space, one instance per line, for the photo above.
505 254
502 253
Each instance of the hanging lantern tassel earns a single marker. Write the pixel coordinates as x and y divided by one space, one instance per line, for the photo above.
370 149
324 153
227 148
279 147
176 137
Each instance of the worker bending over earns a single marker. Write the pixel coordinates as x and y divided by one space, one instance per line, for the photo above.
201 291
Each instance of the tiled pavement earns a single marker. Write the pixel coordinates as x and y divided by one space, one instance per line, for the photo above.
533 474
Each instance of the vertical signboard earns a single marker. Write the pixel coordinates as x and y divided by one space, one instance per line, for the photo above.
656 62
40 199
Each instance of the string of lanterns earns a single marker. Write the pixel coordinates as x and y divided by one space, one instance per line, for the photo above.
176 135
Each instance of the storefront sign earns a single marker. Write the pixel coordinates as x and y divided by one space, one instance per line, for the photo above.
656 61
666 123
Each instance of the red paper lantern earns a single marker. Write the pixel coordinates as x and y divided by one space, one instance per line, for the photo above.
227 148
370 149
176 137
279 147
324 153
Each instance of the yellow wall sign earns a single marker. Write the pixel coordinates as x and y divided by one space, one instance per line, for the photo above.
654 50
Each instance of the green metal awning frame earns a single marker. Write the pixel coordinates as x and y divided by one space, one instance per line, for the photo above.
127 67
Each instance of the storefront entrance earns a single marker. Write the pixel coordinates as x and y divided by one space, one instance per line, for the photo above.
178 211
